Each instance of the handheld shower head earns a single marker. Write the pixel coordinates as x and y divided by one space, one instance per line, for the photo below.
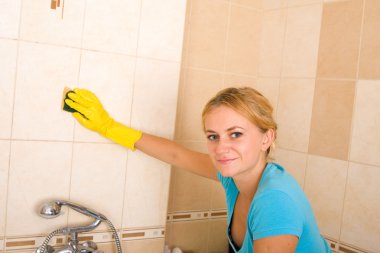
50 210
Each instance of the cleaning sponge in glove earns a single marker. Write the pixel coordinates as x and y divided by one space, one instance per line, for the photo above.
91 114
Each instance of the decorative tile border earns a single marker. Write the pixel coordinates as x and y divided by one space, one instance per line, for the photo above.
1 244
337 247
200 215
15 244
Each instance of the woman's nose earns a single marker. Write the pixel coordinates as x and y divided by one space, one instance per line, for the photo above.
223 146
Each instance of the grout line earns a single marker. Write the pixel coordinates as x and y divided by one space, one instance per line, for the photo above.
13 113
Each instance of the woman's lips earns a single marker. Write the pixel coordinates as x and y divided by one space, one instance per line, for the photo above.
226 160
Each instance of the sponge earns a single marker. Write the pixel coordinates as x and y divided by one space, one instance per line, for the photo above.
65 96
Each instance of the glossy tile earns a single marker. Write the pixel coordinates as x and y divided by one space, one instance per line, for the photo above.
40 23
231 80
10 18
331 119
301 41
208 34
293 162
218 242
155 96
294 113
8 52
146 192
199 87
292 3
100 71
190 236
112 26
365 146
369 64
192 192
257 4
272 43
43 71
242 52
4 169
270 88
149 245
218 196
167 17
98 180
362 208
39 171
325 186
339 46
273 4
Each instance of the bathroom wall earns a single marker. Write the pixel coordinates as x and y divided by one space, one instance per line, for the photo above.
128 53
318 63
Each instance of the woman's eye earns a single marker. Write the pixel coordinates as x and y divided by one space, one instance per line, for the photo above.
236 135
212 137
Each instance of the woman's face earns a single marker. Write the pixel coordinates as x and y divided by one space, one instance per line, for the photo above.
235 145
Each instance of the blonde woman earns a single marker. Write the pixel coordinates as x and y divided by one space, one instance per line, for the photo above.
267 210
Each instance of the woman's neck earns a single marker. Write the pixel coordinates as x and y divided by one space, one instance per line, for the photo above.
248 183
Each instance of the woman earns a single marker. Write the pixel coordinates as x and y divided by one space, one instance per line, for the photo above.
267 210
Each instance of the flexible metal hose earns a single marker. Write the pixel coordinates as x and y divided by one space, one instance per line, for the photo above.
118 244
42 248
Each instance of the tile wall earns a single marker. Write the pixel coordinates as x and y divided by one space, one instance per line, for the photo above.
318 61
119 50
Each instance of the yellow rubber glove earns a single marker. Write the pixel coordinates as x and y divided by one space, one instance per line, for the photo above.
92 115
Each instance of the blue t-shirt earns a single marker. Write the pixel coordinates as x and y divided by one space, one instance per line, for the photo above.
279 207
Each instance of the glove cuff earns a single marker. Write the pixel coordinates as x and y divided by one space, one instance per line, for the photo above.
123 135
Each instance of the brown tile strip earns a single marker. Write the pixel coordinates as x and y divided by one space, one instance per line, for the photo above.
134 234
345 250
20 243
85 238
181 216
217 214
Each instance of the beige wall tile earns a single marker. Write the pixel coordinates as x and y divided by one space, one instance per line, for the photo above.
294 113
369 67
149 245
242 53
231 80
8 52
98 72
192 192
292 3
42 24
10 18
191 237
4 168
218 242
189 191
360 226
301 41
155 96
42 73
272 42
325 186
218 196
97 180
294 162
339 42
146 192
273 4
208 31
270 88
112 26
198 87
158 34
332 118
365 147
39 171
249 3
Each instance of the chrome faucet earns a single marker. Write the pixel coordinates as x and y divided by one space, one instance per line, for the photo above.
53 208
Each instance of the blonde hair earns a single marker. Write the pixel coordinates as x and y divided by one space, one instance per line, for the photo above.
249 103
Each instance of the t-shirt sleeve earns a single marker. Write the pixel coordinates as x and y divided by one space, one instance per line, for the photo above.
275 213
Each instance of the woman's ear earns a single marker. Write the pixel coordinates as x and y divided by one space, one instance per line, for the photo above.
268 139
